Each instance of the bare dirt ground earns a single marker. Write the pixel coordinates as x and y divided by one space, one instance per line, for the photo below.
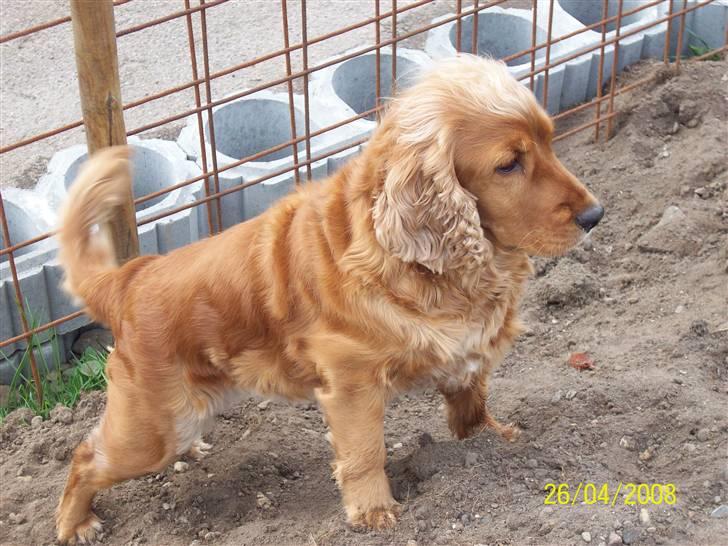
646 297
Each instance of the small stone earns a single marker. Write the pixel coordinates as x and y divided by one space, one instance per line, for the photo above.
646 455
702 192
263 502
627 442
61 414
264 405
690 448
630 535
181 466
246 433
411 542
556 398
398 445
586 536
693 123
717 499
699 328
570 394
457 526
644 516
165 506
471 458
679 309
532 463
17 519
614 539
720 512
703 435
36 422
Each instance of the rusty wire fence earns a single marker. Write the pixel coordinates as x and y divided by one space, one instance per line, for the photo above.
385 32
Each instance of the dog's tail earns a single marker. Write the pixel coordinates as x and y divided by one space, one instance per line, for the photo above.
85 251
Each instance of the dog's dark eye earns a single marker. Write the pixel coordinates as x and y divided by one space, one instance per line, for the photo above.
507 169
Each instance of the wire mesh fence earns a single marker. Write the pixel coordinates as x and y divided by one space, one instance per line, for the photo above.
600 35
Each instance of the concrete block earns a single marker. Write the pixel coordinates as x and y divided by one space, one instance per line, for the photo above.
156 164
705 26
348 88
335 162
502 33
27 214
251 125
572 15
255 123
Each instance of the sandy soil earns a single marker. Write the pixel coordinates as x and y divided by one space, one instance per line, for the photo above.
645 297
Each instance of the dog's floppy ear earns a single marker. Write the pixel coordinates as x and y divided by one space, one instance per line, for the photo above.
423 214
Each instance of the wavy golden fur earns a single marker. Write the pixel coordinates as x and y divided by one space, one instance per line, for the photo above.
403 270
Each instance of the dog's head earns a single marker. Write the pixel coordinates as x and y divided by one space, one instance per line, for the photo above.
469 165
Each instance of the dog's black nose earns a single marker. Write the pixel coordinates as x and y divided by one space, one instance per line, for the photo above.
590 217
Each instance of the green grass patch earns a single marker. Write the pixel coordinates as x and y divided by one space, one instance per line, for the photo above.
60 385
702 48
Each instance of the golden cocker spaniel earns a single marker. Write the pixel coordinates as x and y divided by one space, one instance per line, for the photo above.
402 270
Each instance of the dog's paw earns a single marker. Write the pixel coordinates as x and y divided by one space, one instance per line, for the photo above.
510 432
82 533
199 450
377 518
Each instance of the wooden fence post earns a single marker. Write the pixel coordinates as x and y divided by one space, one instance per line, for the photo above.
94 37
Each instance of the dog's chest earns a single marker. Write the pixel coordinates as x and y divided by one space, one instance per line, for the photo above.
464 358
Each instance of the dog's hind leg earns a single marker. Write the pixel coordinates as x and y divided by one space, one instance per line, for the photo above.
133 438
467 411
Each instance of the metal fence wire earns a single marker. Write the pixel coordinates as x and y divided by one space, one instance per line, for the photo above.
385 32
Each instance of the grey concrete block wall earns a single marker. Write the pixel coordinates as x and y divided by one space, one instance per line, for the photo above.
502 33
572 15
250 125
348 88
156 164
705 26
28 217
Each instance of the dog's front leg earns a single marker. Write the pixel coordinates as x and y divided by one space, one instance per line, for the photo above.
467 412
356 418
